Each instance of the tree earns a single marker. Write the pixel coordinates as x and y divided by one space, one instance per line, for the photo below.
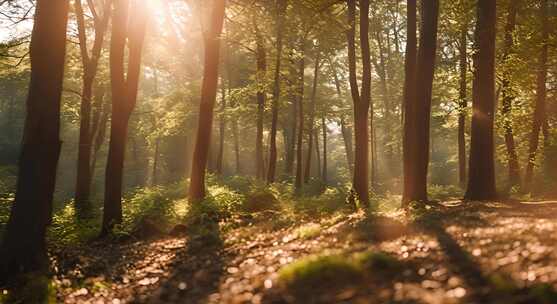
539 118
462 101
207 104
419 114
508 95
300 98
261 60
124 97
311 127
361 102
87 128
24 245
481 177
281 9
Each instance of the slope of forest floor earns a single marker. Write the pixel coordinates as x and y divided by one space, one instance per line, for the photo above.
455 252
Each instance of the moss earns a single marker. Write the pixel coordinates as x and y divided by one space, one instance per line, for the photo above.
308 275
308 231
380 262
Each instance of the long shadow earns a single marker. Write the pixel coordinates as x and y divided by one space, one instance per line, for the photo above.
195 271
460 261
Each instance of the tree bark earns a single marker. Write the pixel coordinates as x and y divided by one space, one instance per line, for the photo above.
207 104
509 96
281 9
324 126
462 105
481 177
541 93
299 145
311 127
361 103
124 97
222 127
261 71
90 64
24 245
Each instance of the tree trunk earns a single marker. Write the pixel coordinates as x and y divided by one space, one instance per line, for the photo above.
124 97
418 137
317 155
24 245
222 127
481 177
311 128
361 103
90 64
207 104
235 131
462 106
541 93
300 137
156 162
261 71
509 96
324 125
281 9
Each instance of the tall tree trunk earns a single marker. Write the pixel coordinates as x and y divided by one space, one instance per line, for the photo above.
236 133
462 105
509 96
222 127
409 102
124 97
156 162
418 138
261 71
324 126
207 104
299 145
24 246
361 103
317 155
481 177
311 127
345 129
90 64
281 9
541 93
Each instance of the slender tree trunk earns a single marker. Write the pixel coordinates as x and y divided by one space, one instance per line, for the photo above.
361 103
235 131
541 93
324 125
462 106
206 106
317 154
24 246
300 137
222 128
156 162
481 178
409 105
90 64
345 129
261 71
281 9
311 127
509 96
124 98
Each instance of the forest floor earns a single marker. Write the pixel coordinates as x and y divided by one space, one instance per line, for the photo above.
453 252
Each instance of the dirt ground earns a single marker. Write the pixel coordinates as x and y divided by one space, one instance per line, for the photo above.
455 252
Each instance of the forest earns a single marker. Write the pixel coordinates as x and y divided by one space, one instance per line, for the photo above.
278 151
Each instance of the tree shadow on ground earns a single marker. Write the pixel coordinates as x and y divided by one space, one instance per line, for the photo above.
195 271
483 288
